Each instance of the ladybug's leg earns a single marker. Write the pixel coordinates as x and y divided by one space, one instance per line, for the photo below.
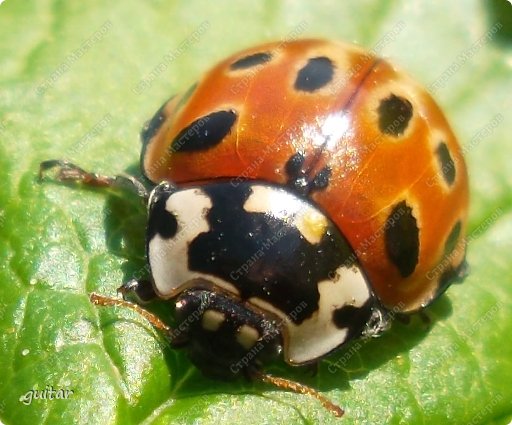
176 339
139 291
298 388
97 299
69 172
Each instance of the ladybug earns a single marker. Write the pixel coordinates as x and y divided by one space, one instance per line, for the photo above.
297 193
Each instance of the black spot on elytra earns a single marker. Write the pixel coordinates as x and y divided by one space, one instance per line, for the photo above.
293 166
251 60
152 126
352 318
205 132
149 130
298 178
446 163
161 221
402 239
450 276
188 94
315 74
453 238
321 180
395 112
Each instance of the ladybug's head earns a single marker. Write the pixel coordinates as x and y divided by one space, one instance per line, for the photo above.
274 266
223 336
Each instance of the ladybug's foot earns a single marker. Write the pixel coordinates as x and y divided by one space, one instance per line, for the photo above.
138 291
298 388
68 172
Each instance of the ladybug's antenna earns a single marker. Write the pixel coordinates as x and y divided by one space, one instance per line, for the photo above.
97 299
299 388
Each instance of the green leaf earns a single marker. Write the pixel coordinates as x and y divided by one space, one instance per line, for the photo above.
78 79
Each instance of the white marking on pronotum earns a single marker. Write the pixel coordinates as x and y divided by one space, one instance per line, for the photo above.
168 258
319 335
285 206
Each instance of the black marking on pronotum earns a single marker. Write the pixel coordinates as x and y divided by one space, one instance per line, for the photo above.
264 256
402 238
446 163
395 112
453 238
161 221
317 73
251 60
205 132
353 318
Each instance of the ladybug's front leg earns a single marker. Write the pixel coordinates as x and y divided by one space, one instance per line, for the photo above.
68 172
